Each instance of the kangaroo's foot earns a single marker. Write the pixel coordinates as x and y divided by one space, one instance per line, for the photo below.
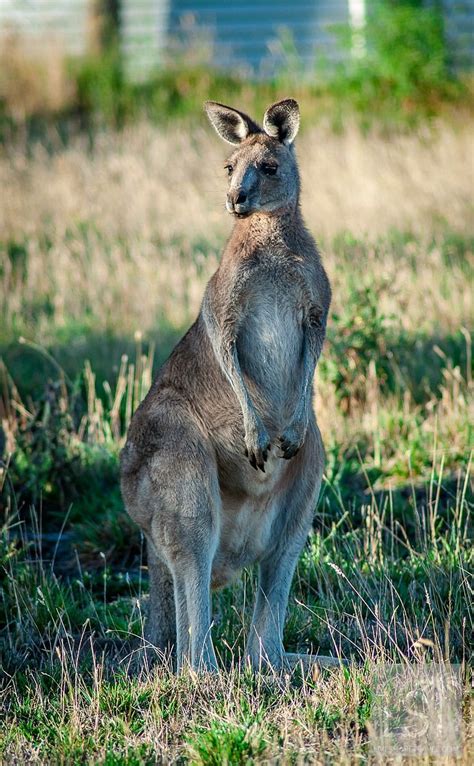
289 661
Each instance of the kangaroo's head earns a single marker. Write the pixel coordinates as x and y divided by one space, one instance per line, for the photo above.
262 170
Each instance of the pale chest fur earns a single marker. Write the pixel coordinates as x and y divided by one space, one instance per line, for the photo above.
270 336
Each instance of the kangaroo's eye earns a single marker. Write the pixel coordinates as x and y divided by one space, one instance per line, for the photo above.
268 169
229 168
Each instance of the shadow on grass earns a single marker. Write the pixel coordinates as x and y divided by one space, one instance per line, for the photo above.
400 361
420 361
32 367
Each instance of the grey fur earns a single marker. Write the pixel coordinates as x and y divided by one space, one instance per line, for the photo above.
224 459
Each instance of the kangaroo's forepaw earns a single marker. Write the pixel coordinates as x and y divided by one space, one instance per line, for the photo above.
257 447
291 441
289 448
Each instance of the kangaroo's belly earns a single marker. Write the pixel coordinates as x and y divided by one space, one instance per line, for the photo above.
246 533
269 346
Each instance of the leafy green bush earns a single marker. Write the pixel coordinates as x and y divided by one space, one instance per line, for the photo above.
356 340
54 465
102 89
402 72
105 94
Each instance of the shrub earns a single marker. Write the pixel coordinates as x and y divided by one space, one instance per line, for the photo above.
404 71
356 342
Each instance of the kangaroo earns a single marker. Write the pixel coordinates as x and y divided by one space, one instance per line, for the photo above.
223 461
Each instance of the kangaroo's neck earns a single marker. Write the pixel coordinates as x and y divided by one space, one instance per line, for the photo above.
261 229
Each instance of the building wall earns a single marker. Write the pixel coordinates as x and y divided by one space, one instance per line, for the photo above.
255 36
251 35
144 29
459 29
260 35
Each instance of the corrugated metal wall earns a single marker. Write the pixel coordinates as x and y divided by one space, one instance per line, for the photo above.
256 35
41 22
250 34
144 29
459 29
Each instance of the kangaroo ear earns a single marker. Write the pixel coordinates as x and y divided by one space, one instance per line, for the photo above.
232 126
282 120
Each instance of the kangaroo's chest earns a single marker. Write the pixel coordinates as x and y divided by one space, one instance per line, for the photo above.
270 337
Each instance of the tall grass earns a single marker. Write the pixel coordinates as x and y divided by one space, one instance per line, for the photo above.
113 237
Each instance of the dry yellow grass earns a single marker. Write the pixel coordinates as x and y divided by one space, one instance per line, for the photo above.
168 181
152 202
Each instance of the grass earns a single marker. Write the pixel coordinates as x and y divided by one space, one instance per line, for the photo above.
103 260
358 591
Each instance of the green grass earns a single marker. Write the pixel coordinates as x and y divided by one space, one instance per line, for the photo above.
68 698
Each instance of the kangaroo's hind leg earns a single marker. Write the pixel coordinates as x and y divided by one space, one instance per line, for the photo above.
160 626
192 580
180 490
159 635
173 493
293 523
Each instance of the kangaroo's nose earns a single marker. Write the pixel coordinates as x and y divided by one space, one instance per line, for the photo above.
241 197
237 197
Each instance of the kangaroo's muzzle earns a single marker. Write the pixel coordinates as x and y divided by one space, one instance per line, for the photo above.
238 202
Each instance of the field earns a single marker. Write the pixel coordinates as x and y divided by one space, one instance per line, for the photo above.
105 248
